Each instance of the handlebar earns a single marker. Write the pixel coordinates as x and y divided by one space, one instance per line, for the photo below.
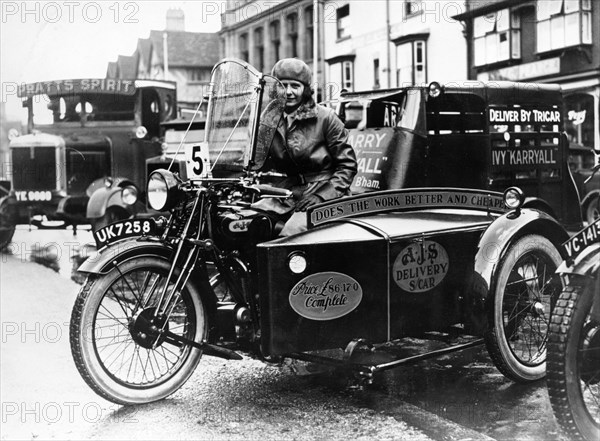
267 191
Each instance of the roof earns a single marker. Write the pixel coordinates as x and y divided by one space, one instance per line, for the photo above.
493 91
479 8
187 49
144 48
111 69
127 67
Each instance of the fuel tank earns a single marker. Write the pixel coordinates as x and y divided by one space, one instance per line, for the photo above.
378 277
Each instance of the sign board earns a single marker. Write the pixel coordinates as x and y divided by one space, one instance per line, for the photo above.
406 200
73 87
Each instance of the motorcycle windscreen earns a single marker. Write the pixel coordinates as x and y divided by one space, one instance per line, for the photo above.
271 112
233 94
233 112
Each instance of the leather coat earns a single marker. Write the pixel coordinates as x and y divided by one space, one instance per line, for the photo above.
316 151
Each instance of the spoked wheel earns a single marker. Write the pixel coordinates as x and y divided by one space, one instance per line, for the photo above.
524 294
574 363
114 338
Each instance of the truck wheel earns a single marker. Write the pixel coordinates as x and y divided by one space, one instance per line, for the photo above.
592 210
112 214
6 235
519 313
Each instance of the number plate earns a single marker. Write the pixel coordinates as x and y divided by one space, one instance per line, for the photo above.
124 229
196 161
576 244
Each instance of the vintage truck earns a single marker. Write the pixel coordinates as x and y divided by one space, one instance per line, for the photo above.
82 159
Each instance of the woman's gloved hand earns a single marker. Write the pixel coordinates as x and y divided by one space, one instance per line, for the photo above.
308 201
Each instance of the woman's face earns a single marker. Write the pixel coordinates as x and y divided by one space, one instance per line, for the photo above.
293 92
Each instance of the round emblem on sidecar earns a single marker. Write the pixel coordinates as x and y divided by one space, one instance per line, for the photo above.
325 296
420 266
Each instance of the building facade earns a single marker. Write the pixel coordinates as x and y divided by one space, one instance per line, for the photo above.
361 45
545 41
262 32
392 43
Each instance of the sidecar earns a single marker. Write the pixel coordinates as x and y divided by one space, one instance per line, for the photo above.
386 265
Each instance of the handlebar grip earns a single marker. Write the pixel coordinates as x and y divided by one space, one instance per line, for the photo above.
268 190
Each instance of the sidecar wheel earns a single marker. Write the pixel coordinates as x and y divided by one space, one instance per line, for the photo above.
519 313
115 353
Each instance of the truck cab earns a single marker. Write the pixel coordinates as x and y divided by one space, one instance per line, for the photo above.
82 159
465 135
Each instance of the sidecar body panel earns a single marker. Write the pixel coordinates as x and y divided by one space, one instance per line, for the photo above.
378 277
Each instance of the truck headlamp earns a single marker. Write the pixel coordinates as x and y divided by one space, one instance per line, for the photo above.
162 190
129 194
514 198
141 132
435 89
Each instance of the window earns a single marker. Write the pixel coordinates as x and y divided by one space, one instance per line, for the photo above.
376 82
308 34
411 63
343 19
412 7
563 23
348 75
292 30
579 119
243 45
497 37
259 49
275 35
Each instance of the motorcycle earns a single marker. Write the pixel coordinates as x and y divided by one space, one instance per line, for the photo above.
573 362
213 278
140 323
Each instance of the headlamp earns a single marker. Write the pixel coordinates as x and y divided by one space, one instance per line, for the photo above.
129 194
514 198
435 89
141 132
162 190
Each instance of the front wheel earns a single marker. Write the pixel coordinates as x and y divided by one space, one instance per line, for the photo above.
113 342
524 293
574 363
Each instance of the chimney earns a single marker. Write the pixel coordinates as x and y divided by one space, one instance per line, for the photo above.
175 20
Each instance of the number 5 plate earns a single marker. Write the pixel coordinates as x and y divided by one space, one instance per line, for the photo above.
197 163
124 229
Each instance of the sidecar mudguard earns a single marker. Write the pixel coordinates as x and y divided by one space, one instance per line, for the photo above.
493 246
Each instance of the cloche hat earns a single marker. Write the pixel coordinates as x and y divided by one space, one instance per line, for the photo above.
292 69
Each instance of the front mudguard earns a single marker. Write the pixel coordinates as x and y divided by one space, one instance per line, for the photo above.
493 246
117 253
104 197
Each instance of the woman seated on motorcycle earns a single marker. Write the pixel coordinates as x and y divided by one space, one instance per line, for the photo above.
310 147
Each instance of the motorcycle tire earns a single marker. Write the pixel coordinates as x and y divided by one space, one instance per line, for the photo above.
573 364
114 350
519 312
